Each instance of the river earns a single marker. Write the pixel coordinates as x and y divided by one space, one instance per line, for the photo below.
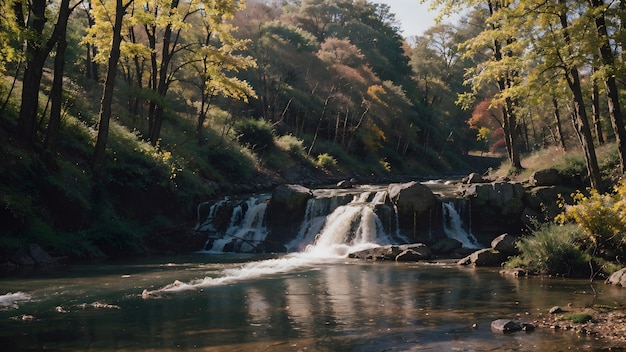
233 302
315 299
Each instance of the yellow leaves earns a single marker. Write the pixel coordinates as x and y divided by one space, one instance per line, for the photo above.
602 216
376 93
483 134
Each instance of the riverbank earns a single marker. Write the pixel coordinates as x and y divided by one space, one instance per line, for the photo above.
605 323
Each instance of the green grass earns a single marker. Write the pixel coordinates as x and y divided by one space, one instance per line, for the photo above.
577 318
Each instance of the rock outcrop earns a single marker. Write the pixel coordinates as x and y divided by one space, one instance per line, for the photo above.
547 177
406 252
33 255
500 204
502 247
419 211
286 211
505 244
618 278
484 257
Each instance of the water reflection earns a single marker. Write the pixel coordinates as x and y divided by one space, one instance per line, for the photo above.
332 306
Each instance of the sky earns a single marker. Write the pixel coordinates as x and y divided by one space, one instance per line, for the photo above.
413 16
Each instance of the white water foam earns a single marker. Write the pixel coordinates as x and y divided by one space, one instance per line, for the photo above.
10 300
348 228
247 271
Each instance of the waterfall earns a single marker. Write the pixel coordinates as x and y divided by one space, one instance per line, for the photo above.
351 226
245 228
317 209
335 222
453 227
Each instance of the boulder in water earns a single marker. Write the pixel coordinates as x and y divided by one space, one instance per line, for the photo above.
405 252
413 253
501 205
419 210
474 178
618 278
484 257
506 326
505 244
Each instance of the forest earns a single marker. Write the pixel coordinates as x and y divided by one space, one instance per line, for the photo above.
118 117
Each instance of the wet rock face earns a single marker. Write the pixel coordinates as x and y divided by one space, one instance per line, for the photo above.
505 244
496 206
419 210
286 211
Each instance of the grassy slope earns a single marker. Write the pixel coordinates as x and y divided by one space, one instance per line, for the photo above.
145 199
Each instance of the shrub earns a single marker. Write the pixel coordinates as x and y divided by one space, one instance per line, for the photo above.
326 161
602 218
257 135
291 145
552 249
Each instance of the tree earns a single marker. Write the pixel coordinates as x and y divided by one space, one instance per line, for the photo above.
544 39
608 74
106 27
502 68
56 93
38 48
10 33
216 58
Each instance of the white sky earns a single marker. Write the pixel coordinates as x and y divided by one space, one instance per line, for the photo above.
413 16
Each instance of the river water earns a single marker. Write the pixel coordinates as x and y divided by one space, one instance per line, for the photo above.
296 302
315 299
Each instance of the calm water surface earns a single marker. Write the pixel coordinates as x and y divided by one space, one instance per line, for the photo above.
289 303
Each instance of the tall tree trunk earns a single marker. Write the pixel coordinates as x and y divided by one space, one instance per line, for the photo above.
56 94
581 121
36 54
557 123
91 70
595 110
109 86
167 54
610 84
511 136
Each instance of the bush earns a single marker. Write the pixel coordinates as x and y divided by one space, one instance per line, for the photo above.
257 135
291 145
552 250
603 220
326 161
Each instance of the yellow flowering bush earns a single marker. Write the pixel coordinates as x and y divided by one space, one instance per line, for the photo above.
602 217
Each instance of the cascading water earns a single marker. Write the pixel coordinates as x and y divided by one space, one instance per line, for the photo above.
352 226
336 223
245 229
453 226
